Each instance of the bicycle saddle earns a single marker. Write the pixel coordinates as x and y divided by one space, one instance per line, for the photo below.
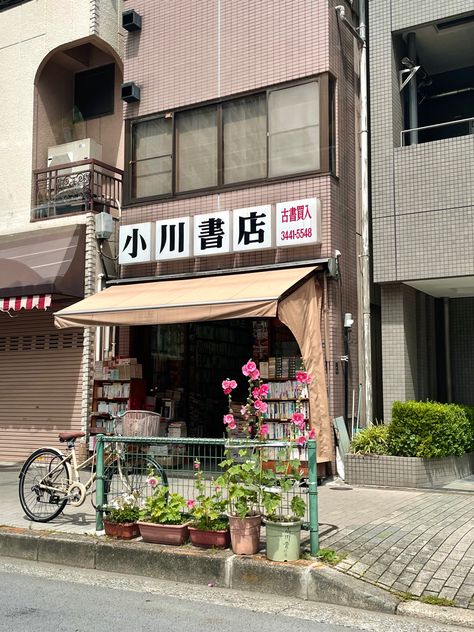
69 436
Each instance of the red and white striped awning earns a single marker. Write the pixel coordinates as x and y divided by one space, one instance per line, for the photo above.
15 303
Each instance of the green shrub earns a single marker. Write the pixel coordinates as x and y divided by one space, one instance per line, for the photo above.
469 410
371 440
428 429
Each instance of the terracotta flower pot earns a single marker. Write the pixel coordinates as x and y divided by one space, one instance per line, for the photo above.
245 534
209 539
175 534
122 530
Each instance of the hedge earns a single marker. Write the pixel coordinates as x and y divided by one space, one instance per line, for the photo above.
424 429
429 429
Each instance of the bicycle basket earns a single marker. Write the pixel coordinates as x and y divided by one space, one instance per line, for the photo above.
140 423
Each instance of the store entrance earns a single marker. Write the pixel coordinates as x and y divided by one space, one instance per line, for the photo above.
184 365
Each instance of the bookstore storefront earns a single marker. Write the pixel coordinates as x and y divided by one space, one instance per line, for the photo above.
189 334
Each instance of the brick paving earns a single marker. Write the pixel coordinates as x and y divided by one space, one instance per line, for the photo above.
410 541
417 542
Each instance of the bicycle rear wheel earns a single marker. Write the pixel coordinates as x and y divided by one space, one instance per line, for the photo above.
44 482
129 476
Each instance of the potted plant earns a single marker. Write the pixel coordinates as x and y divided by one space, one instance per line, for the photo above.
121 517
162 520
283 532
210 526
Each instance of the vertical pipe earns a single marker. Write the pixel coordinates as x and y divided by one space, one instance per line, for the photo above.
99 465
412 91
365 219
313 498
447 352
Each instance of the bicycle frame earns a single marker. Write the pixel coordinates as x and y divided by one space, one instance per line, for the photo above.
73 467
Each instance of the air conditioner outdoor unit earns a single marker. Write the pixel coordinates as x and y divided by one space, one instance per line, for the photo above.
85 149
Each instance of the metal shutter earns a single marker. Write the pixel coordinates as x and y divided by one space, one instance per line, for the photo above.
40 382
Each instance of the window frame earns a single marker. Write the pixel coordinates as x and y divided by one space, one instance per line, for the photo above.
326 144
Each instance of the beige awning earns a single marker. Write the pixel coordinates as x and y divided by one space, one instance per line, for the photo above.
246 295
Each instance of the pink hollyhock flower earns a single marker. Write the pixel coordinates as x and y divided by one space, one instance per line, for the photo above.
217 488
255 374
303 377
261 406
228 386
249 429
263 429
152 481
301 440
196 465
249 368
263 390
297 418
191 504
232 425
312 434
228 419
256 393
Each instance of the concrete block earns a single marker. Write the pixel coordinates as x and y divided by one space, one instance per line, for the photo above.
182 564
21 545
259 574
330 586
70 550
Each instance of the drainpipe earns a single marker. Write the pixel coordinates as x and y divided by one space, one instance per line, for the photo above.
447 352
412 91
361 35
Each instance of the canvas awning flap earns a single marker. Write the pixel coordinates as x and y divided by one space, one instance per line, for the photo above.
220 297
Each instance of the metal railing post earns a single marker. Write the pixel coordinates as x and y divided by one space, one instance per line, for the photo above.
313 498
99 465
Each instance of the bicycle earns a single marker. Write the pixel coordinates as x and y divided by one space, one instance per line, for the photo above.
49 478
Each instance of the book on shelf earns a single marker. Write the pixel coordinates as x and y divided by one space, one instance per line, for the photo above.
280 367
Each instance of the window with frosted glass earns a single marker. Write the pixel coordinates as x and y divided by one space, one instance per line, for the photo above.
152 167
293 125
245 139
196 149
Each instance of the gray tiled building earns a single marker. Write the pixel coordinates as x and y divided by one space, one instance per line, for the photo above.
422 147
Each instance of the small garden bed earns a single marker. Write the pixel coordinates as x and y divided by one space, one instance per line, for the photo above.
427 444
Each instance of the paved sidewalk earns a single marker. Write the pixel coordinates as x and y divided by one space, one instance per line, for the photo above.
410 541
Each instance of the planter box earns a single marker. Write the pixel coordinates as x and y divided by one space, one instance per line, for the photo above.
175 534
400 471
209 539
122 530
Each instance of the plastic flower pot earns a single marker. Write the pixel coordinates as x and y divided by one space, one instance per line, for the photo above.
209 539
121 530
175 534
245 534
283 540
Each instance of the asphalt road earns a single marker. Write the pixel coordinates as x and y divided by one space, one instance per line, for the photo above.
42 597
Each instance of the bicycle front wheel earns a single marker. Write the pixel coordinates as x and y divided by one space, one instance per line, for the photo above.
44 482
130 475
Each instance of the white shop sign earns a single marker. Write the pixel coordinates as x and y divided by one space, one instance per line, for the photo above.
245 229
298 223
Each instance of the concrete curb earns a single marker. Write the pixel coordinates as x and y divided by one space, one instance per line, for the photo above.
304 579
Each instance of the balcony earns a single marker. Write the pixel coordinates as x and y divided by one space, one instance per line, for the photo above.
76 187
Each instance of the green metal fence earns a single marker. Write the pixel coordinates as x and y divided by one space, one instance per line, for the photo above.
124 465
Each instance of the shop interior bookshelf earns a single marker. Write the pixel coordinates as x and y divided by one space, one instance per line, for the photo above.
114 391
280 375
